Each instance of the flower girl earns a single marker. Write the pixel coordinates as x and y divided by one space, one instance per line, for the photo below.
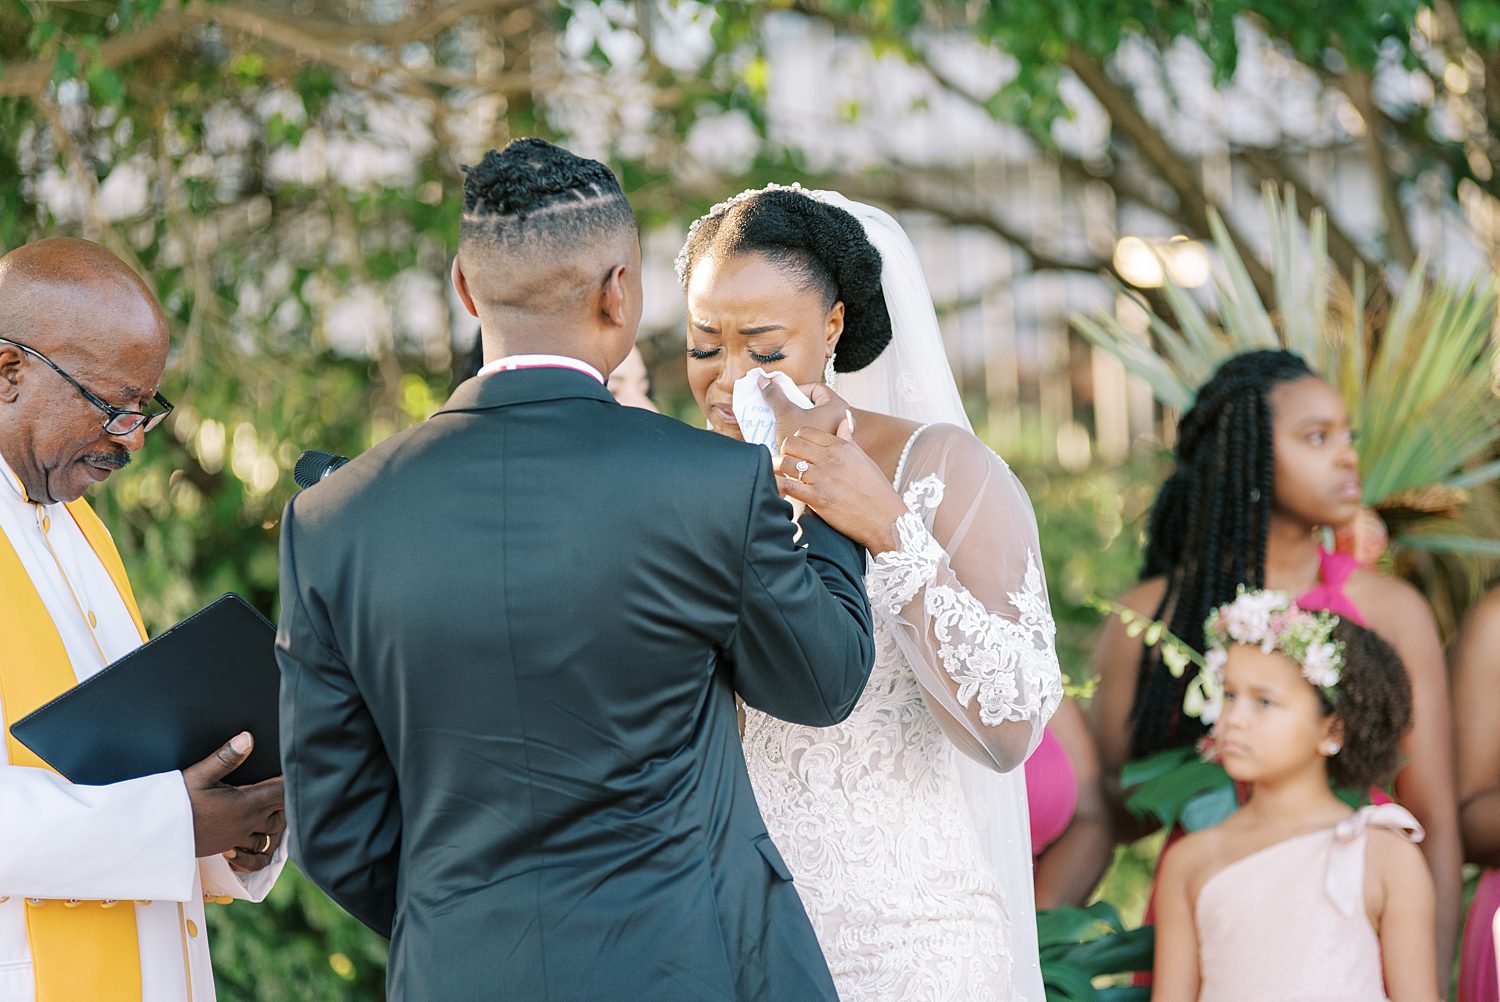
1295 895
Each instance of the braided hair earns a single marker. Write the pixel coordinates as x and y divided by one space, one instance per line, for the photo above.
535 192
1209 527
820 246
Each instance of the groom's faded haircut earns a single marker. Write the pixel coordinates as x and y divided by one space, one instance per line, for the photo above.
534 196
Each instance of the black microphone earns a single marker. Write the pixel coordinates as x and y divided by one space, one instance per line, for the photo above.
315 465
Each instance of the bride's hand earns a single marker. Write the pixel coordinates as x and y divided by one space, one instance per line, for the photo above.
826 413
834 477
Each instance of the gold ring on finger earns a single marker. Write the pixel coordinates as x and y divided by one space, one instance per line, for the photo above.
265 845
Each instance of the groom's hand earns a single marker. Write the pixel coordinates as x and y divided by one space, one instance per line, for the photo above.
825 415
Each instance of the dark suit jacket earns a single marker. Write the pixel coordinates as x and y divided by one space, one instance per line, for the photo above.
510 642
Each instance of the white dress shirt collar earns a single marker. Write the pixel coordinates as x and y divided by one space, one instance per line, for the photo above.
12 482
511 362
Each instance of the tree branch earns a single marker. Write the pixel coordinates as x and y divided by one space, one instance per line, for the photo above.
1173 168
325 41
1073 165
1357 87
899 195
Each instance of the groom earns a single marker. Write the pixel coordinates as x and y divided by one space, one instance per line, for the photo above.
511 639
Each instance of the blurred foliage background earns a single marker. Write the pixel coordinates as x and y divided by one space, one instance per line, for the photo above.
285 173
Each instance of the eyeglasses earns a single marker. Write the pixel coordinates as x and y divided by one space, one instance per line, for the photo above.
117 420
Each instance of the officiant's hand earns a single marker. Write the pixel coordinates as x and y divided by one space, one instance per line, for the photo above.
224 816
827 412
837 480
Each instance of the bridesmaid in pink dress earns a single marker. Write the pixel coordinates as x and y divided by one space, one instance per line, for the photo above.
1476 692
1295 896
1070 838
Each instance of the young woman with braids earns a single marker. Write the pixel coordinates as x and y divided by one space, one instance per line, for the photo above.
1264 458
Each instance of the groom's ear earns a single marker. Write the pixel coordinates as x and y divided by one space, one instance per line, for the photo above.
835 326
461 286
614 297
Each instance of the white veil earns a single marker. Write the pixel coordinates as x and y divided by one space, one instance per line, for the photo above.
911 379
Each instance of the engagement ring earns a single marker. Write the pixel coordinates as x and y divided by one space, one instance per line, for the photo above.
802 467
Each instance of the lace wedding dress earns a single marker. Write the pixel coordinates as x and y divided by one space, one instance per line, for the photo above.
871 815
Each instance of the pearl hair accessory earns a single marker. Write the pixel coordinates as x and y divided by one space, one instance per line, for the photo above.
681 264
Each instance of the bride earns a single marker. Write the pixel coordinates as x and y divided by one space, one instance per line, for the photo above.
905 827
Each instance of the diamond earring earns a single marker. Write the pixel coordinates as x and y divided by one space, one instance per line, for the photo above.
830 377
1331 748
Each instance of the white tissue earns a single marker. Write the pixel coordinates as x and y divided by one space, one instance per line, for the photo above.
756 419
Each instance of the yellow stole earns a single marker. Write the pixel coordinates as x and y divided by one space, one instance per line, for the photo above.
79 949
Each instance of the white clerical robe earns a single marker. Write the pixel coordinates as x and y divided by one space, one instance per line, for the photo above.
130 841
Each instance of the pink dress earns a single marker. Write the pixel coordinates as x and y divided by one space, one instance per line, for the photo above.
1328 595
1477 980
1288 922
1051 792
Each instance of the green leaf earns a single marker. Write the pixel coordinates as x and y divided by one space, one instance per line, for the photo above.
65 65
1209 808
1123 993
1066 925
1117 954
1477 476
106 86
1445 543
1143 770
1065 983
1165 796
42 32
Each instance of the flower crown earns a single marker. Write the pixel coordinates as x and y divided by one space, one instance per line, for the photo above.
1270 620
681 264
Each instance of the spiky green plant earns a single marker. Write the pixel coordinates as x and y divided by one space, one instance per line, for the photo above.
1418 378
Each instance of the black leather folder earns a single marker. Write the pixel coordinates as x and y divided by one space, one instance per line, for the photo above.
169 703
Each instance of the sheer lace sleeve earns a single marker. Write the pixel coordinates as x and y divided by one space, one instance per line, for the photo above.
966 600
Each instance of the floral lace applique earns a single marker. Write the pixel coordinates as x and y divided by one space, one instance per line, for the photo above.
987 655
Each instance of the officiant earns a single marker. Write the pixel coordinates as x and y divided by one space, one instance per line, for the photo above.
102 888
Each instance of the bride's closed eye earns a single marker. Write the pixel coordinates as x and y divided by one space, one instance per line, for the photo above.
702 353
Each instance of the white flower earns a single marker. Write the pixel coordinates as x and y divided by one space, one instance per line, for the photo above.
1320 665
1248 618
1214 660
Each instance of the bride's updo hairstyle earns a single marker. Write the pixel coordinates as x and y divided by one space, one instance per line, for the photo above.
820 245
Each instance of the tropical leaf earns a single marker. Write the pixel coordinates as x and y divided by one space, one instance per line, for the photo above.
1066 984
1068 926
1165 797
1081 944
1209 808
1441 543
1143 770
1123 993
1114 954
